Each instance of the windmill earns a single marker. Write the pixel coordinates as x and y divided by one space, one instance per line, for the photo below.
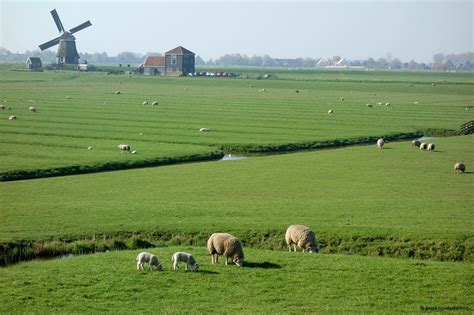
67 52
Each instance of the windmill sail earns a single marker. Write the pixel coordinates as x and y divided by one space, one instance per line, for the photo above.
51 43
80 27
57 21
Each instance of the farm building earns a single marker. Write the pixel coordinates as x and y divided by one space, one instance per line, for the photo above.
176 62
154 65
34 64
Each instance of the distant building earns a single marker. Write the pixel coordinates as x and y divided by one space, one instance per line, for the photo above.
179 61
176 62
154 65
34 64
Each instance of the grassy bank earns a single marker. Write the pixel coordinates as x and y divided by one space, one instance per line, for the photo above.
269 282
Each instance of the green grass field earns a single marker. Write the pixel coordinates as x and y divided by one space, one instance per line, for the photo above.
240 117
399 202
270 282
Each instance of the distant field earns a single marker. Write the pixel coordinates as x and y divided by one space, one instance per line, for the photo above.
238 115
361 194
270 282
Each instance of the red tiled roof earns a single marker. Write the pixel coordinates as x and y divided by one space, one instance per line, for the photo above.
154 61
180 50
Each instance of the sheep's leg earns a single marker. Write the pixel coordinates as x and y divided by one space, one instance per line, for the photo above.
175 266
226 260
294 248
289 248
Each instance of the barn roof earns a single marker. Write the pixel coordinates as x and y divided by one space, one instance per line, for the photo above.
180 50
154 61
34 60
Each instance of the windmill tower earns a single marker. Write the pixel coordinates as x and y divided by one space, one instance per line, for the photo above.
67 52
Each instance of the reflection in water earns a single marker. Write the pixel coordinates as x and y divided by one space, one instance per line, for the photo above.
233 157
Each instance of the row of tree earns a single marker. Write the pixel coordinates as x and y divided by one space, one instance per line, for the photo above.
464 61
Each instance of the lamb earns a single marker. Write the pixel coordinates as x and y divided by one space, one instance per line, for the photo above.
415 143
459 167
330 112
431 147
204 130
32 109
227 245
124 147
380 143
191 263
423 146
151 259
301 236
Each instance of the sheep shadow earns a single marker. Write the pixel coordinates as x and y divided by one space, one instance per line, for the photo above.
262 265
208 272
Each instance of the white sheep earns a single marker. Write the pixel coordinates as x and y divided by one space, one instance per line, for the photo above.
155 103
191 263
380 143
459 167
415 102
204 130
423 146
301 236
124 147
12 117
145 103
330 112
387 104
342 99
151 259
431 147
415 143
134 152
118 92
32 109
227 245
89 148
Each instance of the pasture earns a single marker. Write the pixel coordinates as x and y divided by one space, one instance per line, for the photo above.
269 282
398 202
77 111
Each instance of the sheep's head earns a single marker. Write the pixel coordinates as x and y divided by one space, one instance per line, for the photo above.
238 261
312 248
196 267
159 267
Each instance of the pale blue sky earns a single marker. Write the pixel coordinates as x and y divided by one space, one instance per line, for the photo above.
281 29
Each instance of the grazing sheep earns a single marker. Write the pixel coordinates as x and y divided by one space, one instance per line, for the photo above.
423 146
415 102
32 109
415 143
387 104
155 103
380 143
151 259
89 148
118 92
330 112
431 147
301 236
227 245
145 103
369 105
124 147
2 107
134 152
250 85
459 167
12 117
191 263
186 89
342 99
261 90
68 97
379 103
204 130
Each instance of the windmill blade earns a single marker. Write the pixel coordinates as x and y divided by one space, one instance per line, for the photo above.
57 21
51 43
80 27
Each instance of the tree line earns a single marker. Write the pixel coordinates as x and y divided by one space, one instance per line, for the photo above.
462 61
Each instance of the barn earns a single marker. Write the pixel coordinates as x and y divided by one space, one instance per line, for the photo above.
34 64
179 61
154 65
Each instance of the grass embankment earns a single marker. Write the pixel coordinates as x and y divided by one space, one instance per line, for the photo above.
399 202
241 118
269 282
